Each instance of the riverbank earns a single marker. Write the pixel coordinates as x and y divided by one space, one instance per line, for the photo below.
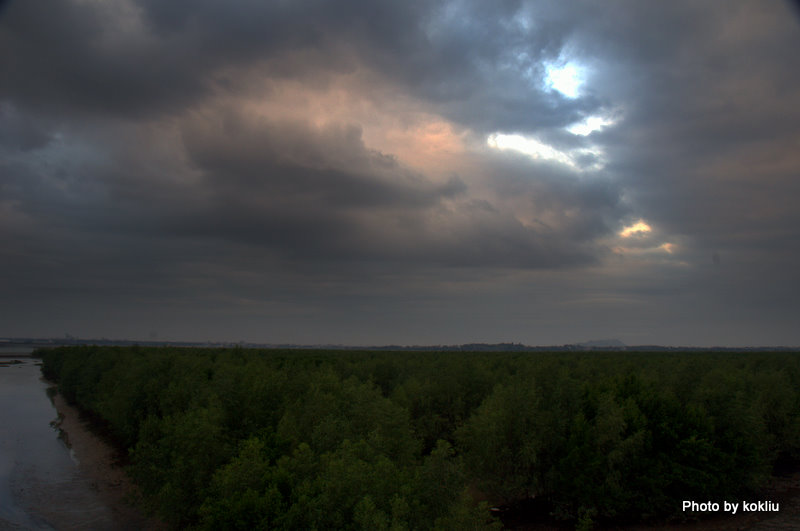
42 488
100 462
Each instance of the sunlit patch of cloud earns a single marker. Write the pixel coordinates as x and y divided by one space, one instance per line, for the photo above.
566 77
591 124
579 159
529 146
639 228
643 242
394 124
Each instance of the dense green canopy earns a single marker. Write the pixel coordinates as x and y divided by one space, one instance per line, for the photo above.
243 439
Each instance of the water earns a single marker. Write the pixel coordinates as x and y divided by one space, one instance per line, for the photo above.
41 486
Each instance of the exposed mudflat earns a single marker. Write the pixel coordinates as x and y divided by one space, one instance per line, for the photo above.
99 462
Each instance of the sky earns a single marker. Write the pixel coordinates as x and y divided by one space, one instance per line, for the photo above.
366 172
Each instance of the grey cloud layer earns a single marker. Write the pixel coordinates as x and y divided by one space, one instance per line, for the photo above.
127 160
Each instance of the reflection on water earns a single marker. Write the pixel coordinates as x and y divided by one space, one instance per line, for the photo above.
40 484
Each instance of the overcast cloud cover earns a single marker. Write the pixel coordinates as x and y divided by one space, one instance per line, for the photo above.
372 172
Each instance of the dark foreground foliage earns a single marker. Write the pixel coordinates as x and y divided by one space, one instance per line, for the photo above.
244 439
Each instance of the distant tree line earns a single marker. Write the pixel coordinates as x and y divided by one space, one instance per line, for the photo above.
271 439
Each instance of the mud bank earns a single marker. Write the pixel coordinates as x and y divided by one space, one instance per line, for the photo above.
100 463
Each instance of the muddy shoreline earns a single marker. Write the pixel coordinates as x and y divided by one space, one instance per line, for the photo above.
100 462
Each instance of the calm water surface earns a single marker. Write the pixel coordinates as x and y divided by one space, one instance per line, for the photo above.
41 486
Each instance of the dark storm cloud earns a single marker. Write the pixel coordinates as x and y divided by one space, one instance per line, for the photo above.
18 132
141 58
321 193
705 147
73 55
155 57
289 159
169 154
582 209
